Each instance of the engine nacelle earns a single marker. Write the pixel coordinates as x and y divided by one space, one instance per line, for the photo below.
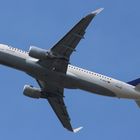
32 92
38 53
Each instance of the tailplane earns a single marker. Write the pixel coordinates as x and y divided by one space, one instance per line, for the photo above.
138 103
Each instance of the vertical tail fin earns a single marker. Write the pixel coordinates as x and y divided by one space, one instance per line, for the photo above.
134 82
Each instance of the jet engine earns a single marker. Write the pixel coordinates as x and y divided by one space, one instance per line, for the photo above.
32 92
38 53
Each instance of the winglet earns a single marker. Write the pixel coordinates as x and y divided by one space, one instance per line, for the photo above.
77 129
97 11
94 13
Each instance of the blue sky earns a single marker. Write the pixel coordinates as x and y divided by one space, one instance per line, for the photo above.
111 47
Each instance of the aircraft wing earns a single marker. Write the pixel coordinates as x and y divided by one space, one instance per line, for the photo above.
64 48
61 52
68 43
55 99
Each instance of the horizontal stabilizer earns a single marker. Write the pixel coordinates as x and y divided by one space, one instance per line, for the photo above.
77 129
138 103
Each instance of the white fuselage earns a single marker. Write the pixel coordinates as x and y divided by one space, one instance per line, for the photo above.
74 78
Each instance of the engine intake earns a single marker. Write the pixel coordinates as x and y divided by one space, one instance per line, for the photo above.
38 53
32 92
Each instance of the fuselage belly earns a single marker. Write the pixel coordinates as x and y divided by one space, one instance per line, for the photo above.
74 78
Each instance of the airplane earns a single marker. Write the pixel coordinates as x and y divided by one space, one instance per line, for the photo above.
53 72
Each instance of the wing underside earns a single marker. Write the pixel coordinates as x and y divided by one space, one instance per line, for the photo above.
68 43
54 95
61 53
